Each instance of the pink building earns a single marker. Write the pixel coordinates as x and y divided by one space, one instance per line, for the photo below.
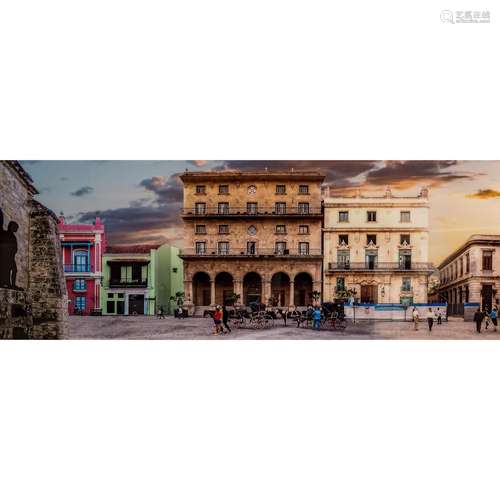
82 247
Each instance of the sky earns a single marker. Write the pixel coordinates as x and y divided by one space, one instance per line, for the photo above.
140 201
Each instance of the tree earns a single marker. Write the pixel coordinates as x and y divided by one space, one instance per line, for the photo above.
233 299
178 299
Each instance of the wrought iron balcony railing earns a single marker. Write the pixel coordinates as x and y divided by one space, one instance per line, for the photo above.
252 212
380 266
128 283
244 252
78 268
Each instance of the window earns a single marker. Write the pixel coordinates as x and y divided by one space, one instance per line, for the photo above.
487 260
405 259
303 189
252 230
280 229
111 295
371 216
343 216
404 239
79 285
120 295
280 189
303 208
80 302
303 248
200 229
200 190
223 189
200 208
303 229
81 261
223 208
406 285
201 248
280 247
174 269
110 307
467 262
280 207
340 284
371 259
405 217
223 247
252 208
461 266
371 239
251 248
223 229
343 259
343 239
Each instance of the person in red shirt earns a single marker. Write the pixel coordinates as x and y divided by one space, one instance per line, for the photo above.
217 321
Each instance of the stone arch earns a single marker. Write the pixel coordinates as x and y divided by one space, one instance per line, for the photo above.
252 288
201 289
224 288
280 289
303 285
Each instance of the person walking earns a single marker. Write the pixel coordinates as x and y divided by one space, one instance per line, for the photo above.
486 318
415 318
494 317
316 317
478 319
438 316
217 321
225 318
430 319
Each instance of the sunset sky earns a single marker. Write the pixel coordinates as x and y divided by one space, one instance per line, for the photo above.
139 201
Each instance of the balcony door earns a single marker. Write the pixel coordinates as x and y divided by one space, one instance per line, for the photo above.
371 259
405 259
81 261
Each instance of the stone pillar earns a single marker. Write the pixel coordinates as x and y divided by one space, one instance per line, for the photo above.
188 292
475 292
125 308
266 291
212 292
317 288
238 289
292 293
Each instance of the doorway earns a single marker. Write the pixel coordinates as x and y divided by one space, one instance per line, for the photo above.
135 304
368 294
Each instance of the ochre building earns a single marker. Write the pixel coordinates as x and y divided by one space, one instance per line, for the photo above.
254 234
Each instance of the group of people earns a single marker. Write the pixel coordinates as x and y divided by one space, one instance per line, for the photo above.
221 317
430 315
486 317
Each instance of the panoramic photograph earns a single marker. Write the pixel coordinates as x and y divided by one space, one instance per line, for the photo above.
233 249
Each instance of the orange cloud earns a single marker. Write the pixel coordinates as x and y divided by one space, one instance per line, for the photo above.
485 194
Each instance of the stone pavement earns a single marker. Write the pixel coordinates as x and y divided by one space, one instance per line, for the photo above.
147 327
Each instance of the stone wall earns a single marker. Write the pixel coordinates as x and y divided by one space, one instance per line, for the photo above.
33 303
46 278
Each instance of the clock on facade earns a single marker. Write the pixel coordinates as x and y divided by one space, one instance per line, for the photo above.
252 189
252 230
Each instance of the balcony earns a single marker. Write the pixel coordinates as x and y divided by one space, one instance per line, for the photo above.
259 212
407 290
243 252
128 283
78 268
379 266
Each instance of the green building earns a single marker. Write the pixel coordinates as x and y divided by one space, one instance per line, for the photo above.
138 279
169 276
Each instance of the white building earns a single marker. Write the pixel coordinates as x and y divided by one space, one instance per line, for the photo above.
378 246
471 274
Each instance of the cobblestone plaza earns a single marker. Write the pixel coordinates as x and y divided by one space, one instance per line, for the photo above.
147 327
